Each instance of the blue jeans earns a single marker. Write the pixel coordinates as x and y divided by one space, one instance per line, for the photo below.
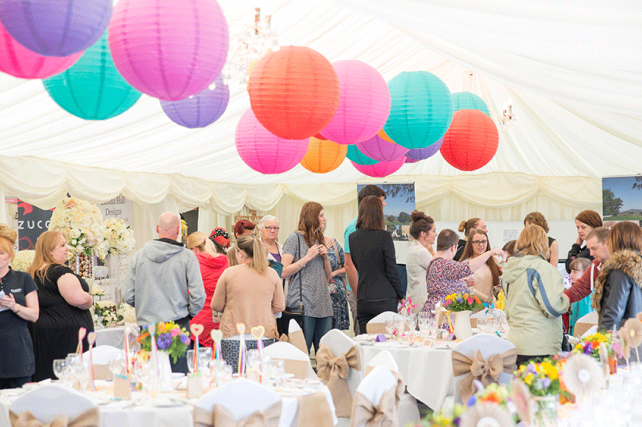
314 328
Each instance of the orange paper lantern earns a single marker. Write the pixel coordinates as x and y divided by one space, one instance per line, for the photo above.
294 92
471 141
323 156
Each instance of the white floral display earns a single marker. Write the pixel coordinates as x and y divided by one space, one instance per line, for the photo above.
95 289
22 260
108 313
119 237
82 225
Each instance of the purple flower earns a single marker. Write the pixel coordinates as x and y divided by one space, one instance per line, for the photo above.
459 300
471 401
184 339
531 368
546 382
164 341
588 349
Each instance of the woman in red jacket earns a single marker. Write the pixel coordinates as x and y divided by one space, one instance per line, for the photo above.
212 263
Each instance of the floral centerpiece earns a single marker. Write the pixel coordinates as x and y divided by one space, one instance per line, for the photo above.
501 300
560 360
169 338
444 418
119 236
108 313
462 302
590 345
22 260
543 382
82 225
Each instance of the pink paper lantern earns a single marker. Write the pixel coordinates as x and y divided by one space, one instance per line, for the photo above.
17 60
263 151
169 49
381 169
409 160
364 104
380 149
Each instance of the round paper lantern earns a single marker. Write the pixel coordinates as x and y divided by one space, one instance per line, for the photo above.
381 169
17 60
356 156
56 27
421 111
382 134
169 49
92 88
424 153
471 142
379 149
364 103
199 110
323 156
409 160
469 101
263 151
294 92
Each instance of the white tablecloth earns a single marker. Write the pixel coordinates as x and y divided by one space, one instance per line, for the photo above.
427 371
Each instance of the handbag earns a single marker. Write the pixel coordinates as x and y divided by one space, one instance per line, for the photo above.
295 312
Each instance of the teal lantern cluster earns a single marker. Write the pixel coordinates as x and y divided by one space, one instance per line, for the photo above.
469 101
421 111
358 157
92 88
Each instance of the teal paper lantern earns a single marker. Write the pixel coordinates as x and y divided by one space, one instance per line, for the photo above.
358 157
469 101
92 88
422 109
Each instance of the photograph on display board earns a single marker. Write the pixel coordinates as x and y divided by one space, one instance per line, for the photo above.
622 198
400 202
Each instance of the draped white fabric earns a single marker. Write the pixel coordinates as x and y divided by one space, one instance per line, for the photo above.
572 70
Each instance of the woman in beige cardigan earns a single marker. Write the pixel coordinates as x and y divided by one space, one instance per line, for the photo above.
249 293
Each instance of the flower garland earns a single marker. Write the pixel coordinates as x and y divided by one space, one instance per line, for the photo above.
119 237
82 225
22 260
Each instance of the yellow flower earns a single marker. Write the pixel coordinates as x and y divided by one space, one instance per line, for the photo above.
550 370
529 379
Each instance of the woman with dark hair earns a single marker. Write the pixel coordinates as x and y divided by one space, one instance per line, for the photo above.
618 289
306 263
423 233
486 277
466 227
537 218
445 275
243 227
585 222
373 254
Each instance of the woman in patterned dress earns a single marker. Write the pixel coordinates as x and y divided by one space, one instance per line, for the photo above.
446 276
341 318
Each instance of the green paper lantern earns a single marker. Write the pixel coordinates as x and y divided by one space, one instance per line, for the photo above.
422 109
358 157
92 88
469 101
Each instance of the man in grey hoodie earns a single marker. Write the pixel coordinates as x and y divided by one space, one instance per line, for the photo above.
164 280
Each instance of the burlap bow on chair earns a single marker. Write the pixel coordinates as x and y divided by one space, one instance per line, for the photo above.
297 339
385 414
89 418
222 417
486 371
333 372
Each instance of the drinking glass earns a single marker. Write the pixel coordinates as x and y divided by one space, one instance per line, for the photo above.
117 362
424 328
411 321
390 327
59 367
481 325
399 323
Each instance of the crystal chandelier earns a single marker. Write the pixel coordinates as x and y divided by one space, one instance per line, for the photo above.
249 41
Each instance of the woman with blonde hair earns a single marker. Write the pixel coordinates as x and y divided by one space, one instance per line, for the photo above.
535 299
19 305
618 289
212 264
64 304
585 222
537 218
486 277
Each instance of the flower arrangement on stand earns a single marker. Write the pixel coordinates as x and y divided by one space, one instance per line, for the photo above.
22 260
119 236
169 338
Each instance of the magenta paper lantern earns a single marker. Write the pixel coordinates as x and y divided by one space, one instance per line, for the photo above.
263 151
424 153
169 49
381 169
17 60
199 110
379 149
364 103
56 27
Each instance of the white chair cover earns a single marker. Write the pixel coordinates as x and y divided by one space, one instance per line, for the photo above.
340 343
49 401
293 326
284 350
100 354
375 384
241 397
489 345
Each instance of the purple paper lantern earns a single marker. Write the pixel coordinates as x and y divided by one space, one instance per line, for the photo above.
199 110
263 151
364 103
381 169
380 149
56 27
169 49
17 60
409 160
424 153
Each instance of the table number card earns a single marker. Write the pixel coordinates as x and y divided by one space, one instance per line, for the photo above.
194 385
122 387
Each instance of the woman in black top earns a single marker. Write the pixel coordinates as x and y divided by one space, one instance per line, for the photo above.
19 306
373 254
585 222
64 305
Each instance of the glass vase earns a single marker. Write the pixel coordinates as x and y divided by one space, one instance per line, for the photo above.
545 411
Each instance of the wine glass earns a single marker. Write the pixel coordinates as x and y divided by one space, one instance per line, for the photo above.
116 362
433 327
59 367
481 325
399 323
390 327
411 321
190 361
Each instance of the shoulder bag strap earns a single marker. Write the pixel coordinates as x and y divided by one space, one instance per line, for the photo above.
336 251
298 254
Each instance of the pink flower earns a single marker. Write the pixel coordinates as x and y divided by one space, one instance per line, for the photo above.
470 300
175 332
448 302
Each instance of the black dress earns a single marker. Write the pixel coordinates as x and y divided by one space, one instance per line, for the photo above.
55 334
16 350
